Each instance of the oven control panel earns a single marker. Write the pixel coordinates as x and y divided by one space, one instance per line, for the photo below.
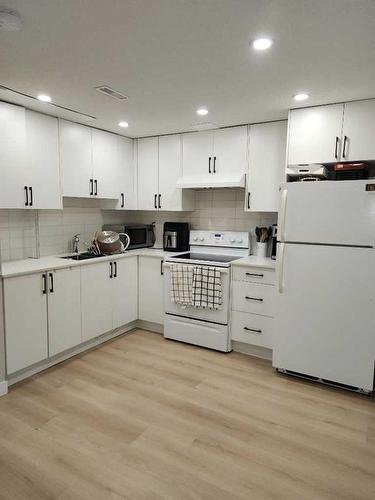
231 239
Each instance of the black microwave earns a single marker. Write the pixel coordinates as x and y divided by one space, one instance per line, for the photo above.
141 235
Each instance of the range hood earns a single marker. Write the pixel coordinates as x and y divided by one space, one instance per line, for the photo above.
235 180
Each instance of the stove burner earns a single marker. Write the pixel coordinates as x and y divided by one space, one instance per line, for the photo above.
206 257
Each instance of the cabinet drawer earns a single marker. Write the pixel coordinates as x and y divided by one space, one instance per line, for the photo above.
253 298
254 275
252 329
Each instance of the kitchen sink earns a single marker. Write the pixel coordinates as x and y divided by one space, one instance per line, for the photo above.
82 256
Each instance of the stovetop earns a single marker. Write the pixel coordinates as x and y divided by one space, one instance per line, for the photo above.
206 257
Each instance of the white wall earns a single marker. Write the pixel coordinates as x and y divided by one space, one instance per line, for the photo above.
20 229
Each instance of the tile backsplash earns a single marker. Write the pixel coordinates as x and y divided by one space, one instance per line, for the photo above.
24 232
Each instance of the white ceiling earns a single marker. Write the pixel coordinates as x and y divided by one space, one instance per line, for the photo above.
172 56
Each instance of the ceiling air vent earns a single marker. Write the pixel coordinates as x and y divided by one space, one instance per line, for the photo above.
111 93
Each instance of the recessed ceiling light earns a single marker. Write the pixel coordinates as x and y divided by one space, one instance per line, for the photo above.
262 43
44 98
123 124
301 96
202 111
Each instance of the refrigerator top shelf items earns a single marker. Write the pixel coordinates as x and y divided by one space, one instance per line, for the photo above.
346 171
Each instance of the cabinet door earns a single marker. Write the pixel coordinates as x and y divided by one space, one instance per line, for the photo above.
197 148
169 172
25 321
76 159
106 167
96 299
64 309
43 160
315 134
12 156
125 291
151 305
230 150
359 119
148 175
266 166
127 187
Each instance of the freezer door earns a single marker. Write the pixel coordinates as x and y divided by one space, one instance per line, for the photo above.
325 313
328 212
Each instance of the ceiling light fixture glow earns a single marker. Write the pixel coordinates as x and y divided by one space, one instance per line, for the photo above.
44 98
123 124
301 96
202 111
262 43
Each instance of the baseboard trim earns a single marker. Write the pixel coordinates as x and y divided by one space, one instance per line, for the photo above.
252 350
148 325
86 346
3 388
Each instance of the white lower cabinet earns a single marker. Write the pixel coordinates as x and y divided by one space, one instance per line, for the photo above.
253 306
25 307
64 309
151 305
108 295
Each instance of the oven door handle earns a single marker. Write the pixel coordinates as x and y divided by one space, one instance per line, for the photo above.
223 270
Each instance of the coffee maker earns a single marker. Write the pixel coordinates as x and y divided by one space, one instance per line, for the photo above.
176 236
274 241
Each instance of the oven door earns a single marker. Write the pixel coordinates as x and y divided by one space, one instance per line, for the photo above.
215 316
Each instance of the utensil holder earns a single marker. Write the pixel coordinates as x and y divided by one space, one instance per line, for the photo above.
262 249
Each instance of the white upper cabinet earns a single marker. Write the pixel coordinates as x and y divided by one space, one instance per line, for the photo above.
315 134
170 170
127 187
76 160
230 151
106 165
148 173
12 156
266 166
358 132
42 161
197 153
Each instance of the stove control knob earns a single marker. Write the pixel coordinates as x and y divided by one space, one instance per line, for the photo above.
201 238
195 238
239 241
232 240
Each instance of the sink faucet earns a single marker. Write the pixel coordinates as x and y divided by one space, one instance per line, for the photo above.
75 243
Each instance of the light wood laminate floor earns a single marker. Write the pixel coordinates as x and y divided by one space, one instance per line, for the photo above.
143 418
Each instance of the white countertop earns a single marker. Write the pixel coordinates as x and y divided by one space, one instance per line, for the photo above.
255 261
29 266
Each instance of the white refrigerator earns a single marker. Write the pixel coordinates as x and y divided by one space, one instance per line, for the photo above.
325 314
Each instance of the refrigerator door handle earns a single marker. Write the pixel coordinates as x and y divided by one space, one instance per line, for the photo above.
284 196
280 268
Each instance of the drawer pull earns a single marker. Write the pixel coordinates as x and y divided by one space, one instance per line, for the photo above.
255 330
254 298
255 274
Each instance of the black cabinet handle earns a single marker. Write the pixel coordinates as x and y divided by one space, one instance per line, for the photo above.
336 148
209 165
122 200
248 200
110 270
115 273
214 164
155 201
252 329
44 276
51 289
26 196
96 187
159 204
91 187
255 274
31 196
344 147
161 267
254 298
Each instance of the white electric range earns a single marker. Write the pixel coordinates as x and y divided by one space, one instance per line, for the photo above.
205 327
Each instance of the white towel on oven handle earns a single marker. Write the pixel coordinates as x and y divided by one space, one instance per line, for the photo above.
207 288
